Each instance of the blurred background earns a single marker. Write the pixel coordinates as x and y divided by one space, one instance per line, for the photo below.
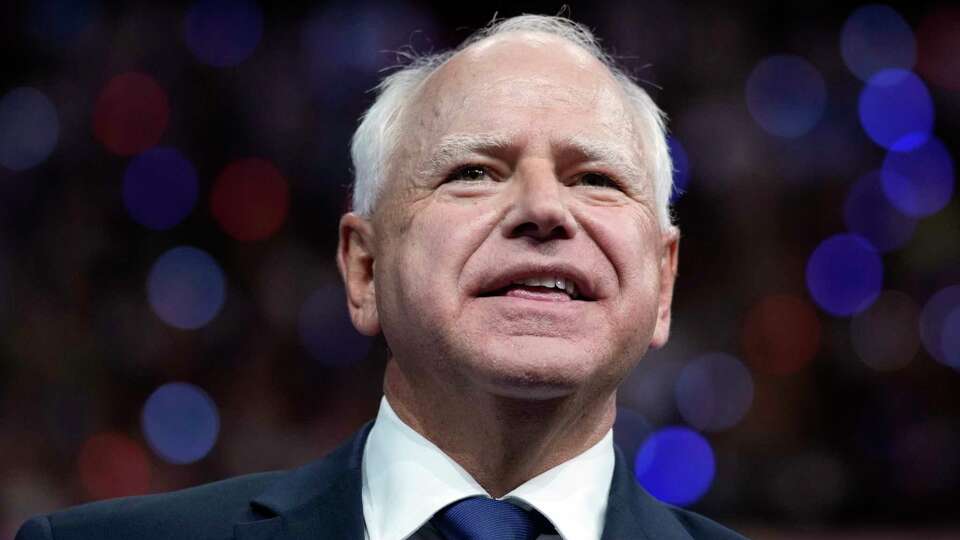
172 175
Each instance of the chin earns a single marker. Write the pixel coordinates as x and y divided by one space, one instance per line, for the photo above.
534 368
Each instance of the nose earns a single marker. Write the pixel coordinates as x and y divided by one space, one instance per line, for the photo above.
538 208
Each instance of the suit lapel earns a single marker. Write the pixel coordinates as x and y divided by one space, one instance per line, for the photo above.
633 514
323 500
264 529
319 500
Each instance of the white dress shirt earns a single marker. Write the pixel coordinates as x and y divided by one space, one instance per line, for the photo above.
407 479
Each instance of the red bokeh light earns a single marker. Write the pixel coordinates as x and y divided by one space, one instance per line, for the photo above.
131 114
250 199
113 465
781 334
938 47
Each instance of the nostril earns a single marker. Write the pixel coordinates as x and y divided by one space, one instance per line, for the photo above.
533 230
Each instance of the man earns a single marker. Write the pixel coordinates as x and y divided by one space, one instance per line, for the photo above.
511 239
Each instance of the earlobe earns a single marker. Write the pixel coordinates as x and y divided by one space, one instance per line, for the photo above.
355 259
668 275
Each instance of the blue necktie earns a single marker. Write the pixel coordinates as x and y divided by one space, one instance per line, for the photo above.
482 518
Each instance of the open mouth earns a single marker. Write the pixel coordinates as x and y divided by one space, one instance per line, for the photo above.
547 288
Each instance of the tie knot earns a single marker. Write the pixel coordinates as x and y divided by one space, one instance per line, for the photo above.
482 518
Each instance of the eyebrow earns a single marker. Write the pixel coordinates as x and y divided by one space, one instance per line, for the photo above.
451 149
593 150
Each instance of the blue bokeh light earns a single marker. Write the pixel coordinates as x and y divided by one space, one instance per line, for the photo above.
186 287
714 392
159 188
347 43
919 182
223 33
681 167
29 128
180 423
876 37
939 329
950 338
676 465
896 110
867 212
355 35
844 274
786 95
326 330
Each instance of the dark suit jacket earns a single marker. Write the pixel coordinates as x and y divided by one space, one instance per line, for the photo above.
319 501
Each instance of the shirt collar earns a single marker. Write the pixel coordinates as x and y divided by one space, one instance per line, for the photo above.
573 495
407 479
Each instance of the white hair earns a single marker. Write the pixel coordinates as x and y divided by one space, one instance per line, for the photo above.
379 130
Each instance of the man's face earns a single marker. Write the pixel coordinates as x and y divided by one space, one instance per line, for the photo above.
519 166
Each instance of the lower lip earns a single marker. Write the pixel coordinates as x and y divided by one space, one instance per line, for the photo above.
520 314
543 314
537 295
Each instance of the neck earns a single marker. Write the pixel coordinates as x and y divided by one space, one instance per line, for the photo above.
501 441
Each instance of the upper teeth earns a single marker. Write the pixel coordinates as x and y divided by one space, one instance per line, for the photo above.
550 282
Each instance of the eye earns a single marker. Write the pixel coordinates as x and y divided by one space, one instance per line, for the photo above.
594 179
469 173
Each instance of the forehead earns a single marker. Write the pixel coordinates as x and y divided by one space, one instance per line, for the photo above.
522 82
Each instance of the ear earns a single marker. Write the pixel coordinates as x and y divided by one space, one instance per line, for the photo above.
355 259
668 275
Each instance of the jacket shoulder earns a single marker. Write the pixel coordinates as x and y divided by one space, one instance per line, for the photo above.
206 511
700 527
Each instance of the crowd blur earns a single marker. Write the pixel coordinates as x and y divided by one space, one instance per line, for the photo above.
172 175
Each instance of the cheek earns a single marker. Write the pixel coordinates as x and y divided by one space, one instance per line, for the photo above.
631 246
432 254
630 242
